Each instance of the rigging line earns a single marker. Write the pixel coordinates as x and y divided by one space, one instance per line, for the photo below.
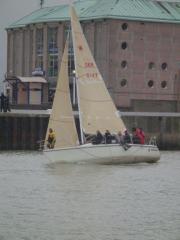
63 121
90 154
63 91
91 100
67 141
82 66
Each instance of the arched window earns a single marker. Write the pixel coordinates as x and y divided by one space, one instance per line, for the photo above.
124 45
124 26
150 83
151 65
163 84
164 66
124 64
123 82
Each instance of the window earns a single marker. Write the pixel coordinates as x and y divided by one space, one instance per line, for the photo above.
39 62
52 52
123 82
124 26
53 65
163 84
39 48
123 64
52 41
151 65
150 83
164 66
124 45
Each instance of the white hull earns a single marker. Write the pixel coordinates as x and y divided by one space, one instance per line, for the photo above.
104 154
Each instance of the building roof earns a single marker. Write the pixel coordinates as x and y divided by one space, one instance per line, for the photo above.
32 79
140 10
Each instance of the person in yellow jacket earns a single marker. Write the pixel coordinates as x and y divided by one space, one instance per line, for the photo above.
51 139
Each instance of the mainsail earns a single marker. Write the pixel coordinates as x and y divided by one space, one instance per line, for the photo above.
62 119
97 110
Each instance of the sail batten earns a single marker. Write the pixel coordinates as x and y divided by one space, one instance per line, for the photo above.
94 98
62 119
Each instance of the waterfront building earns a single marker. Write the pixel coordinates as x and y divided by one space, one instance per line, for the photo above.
26 91
136 45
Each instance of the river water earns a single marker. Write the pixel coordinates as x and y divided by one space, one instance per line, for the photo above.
39 200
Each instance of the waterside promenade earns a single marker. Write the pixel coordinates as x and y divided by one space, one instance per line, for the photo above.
22 129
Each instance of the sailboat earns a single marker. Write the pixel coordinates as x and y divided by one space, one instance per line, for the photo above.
96 112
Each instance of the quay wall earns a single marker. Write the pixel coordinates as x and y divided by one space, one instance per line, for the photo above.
23 131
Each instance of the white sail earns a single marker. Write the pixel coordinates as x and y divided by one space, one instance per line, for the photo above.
62 119
97 110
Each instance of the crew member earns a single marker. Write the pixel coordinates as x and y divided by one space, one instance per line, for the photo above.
51 139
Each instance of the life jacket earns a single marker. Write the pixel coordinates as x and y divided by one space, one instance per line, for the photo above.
140 136
51 137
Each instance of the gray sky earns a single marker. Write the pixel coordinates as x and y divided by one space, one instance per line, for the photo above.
10 11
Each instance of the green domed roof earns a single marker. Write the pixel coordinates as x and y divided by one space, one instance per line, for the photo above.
141 10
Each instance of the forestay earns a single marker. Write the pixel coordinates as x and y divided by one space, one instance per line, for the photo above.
61 118
97 110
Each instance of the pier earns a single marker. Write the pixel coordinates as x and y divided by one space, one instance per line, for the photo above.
22 129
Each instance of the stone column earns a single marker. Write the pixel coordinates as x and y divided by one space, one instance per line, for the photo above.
19 53
34 48
10 46
45 49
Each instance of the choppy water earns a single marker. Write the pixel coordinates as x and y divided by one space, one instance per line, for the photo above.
88 202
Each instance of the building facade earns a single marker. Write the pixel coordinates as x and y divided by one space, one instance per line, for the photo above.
138 58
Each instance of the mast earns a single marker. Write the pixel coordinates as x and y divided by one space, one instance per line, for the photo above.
77 90
79 110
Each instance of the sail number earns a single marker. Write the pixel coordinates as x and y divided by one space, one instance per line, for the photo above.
91 75
89 65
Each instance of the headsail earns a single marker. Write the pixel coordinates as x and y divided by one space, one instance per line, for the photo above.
97 109
62 119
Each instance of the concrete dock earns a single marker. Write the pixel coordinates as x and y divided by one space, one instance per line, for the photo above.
22 129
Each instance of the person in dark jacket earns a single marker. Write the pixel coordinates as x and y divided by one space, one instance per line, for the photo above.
7 104
2 98
98 139
127 137
108 137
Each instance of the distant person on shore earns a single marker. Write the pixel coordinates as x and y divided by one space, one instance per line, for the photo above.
51 139
2 100
7 104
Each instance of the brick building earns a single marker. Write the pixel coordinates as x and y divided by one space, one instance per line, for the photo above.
136 45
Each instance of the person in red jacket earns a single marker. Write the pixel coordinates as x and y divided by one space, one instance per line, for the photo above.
142 136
